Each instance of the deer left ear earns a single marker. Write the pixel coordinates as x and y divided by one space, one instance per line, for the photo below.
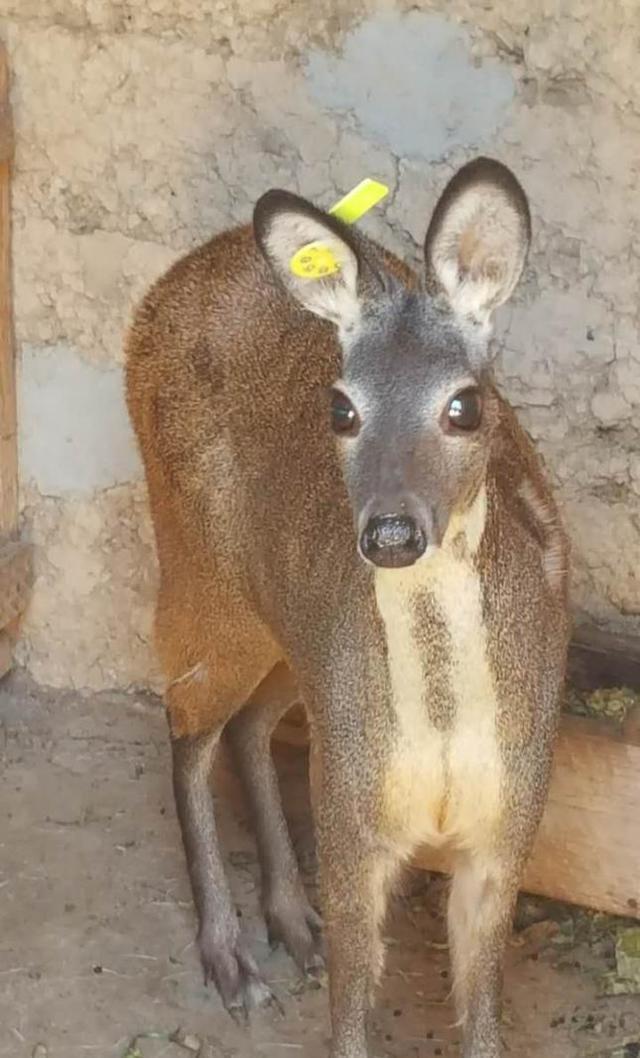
478 239
284 225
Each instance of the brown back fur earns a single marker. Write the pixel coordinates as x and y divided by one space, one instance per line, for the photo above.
227 384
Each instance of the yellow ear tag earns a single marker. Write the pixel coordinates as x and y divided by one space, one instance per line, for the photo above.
359 201
316 260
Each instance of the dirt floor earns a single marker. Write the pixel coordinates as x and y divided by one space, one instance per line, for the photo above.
96 923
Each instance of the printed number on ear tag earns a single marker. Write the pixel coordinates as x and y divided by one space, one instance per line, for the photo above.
314 261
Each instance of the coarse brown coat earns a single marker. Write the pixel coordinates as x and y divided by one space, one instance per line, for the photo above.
432 689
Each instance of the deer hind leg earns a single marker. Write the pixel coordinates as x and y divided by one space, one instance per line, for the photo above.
226 960
201 698
289 916
481 905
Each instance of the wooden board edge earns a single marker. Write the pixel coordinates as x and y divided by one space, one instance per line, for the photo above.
8 428
292 734
604 659
16 580
7 143
6 654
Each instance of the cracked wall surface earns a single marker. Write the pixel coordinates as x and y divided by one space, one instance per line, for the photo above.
144 128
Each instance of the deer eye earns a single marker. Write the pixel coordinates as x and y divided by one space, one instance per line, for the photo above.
344 417
464 411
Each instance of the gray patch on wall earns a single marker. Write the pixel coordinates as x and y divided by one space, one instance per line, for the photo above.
75 435
411 83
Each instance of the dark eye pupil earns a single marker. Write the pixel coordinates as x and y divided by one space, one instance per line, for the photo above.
465 410
344 418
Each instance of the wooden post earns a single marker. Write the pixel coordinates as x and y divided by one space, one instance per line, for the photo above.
15 556
8 443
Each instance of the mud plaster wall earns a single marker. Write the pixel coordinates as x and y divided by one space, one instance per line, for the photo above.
143 127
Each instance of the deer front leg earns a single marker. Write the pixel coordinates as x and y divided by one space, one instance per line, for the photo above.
355 872
483 895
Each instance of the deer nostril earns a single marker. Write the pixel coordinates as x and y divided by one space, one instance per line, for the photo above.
391 531
392 540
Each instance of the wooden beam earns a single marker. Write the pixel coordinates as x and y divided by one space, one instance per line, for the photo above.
8 438
16 579
16 570
587 851
6 123
604 659
6 654
293 729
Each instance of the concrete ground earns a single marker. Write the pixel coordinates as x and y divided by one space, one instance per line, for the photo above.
96 922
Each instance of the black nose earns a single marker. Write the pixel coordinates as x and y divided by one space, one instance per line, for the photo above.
392 540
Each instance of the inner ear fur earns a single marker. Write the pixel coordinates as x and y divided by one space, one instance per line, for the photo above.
477 242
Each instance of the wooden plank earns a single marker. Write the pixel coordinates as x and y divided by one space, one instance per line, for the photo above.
292 734
604 659
6 654
8 440
587 851
16 579
293 729
631 726
6 121
16 567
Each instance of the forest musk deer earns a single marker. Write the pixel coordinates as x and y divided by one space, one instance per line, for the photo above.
346 510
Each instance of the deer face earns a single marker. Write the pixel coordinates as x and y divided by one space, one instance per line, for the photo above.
413 411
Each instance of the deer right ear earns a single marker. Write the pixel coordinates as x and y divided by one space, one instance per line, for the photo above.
284 225
478 239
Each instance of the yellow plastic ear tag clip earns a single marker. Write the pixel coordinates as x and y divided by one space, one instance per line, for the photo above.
359 201
315 260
